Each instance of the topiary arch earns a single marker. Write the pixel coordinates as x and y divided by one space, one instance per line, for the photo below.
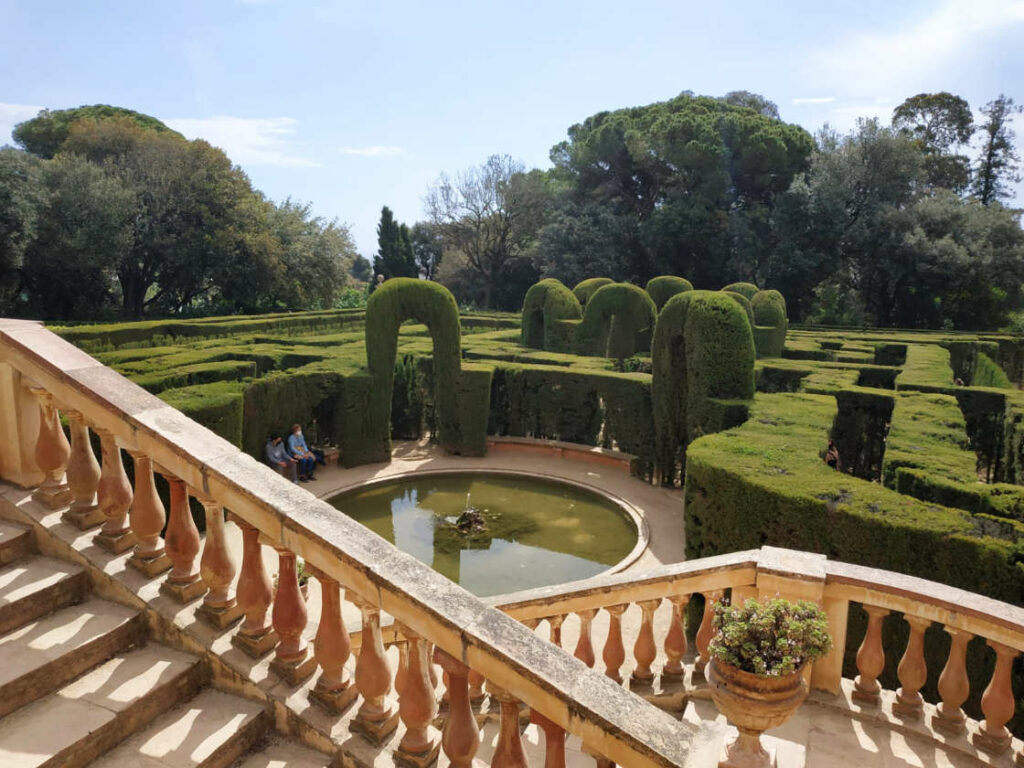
618 322
744 302
587 288
744 289
394 302
663 288
770 323
703 372
546 305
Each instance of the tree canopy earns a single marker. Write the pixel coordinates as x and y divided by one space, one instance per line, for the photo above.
44 134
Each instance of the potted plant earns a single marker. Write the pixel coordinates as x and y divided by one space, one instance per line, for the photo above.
756 674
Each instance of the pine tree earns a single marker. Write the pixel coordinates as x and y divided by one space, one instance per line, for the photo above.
997 164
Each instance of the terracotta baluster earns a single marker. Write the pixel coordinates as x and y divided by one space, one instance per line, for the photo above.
508 752
912 671
52 453
83 476
417 706
253 594
870 658
675 640
114 494
460 738
555 629
219 608
402 673
147 518
584 647
705 633
376 717
181 542
997 703
554 740
644 649
614 653
331 648
291 657
476 687
954 685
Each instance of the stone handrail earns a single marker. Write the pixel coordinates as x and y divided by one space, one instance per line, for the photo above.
795 575
42 376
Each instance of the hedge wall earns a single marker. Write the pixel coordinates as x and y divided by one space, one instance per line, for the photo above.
744 289
587 288
770 323
618 322
545 306
664 287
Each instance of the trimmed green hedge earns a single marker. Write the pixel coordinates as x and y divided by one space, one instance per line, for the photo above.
547 304
770 323
664 287
988 374
618 322
744 289
218 407
587 288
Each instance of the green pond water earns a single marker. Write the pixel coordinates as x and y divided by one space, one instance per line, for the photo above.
535 532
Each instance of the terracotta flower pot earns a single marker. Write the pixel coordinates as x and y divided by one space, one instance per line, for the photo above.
753 704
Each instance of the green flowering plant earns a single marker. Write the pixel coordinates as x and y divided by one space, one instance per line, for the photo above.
770 639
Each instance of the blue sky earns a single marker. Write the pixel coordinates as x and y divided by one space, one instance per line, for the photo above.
354 105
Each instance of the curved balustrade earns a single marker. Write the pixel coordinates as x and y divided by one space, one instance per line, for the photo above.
435 620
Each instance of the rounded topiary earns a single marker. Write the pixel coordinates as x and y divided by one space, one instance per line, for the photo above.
587 288
702 356
547 303
770 323
744 302
663 288
394 302
745 289
618 322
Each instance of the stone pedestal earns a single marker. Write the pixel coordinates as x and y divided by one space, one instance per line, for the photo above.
334 702
295 672
114 543
83 518
219 618
255 645
150 566
377 731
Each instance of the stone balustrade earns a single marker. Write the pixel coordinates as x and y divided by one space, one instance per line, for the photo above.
42 377
770 572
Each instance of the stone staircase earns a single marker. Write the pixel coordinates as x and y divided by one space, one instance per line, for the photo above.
81 686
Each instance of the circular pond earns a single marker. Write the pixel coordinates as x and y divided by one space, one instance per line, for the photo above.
520 532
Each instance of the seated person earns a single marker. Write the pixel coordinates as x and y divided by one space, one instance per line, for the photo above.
277 457
300 451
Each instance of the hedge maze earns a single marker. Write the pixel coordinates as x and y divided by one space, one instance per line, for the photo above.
929 425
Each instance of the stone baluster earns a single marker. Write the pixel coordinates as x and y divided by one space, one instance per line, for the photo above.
376 717
147 517
705 633
644 649
584 647
219 608
476 687
331 648
870 658
997 703
912 671
614 654
291 657
460 738
52 453
183 583
555 629
83 476
417 706
402 673
675 640
508 752
554 740
254 593
114 494
954 685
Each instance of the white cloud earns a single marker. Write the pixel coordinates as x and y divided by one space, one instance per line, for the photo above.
247 140
901 60
374 151
11 115
814 99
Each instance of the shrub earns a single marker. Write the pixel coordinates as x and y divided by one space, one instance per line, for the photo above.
770 323
618 322
664 287
586 288
744 289
771 639
545 304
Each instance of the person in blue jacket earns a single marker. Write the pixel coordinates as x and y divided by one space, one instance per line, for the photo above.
299 450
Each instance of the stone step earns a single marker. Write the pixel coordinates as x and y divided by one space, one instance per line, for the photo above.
34 586
211 731
15 541
73 726
285 755
45 654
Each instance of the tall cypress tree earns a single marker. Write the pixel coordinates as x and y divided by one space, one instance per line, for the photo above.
394 257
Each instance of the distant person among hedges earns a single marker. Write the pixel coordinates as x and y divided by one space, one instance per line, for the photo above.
299 450
832 455
277 456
